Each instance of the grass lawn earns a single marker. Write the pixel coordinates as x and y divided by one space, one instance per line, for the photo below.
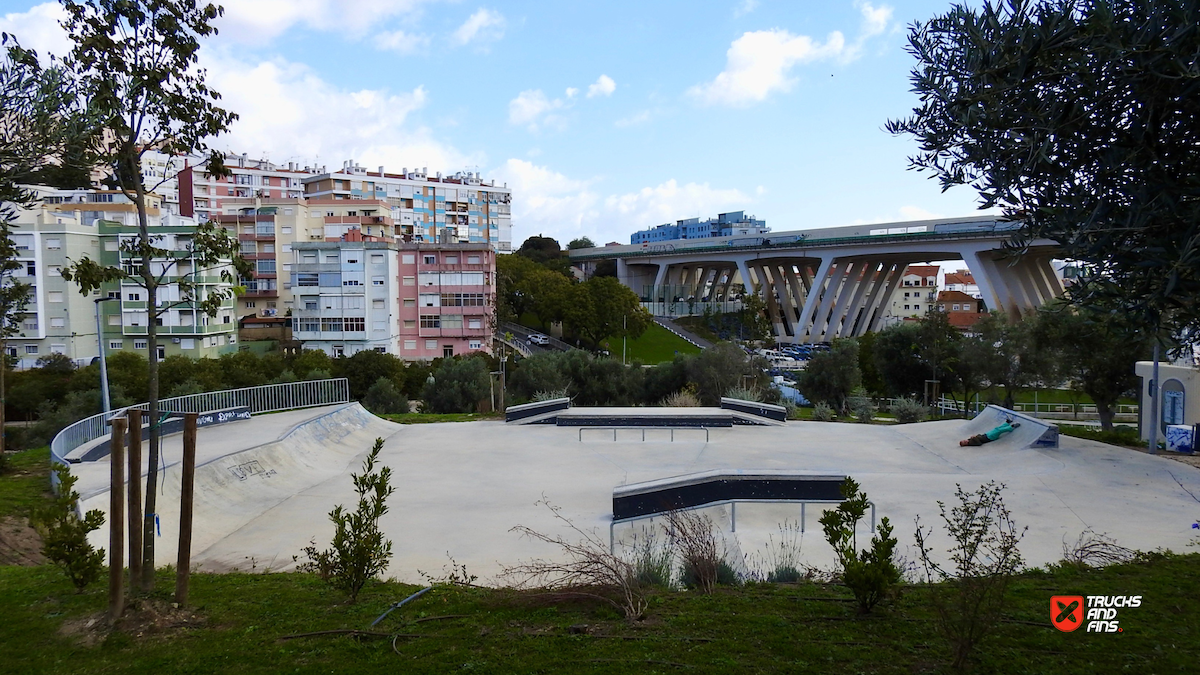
237 620
28 484
1043 396
654 346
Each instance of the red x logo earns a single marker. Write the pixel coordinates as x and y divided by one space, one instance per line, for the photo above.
1066 612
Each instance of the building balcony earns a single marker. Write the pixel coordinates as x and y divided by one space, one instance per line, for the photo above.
358 220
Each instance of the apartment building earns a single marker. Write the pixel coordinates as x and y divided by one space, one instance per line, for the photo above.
914 295
68 225
416 301
454 209
962 310
724 225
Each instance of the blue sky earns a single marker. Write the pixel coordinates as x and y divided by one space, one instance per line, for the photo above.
604 118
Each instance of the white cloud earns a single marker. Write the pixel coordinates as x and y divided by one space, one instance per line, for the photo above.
550 203
288 112
634 119
603 86
760 63
571 92
484 25
402 42
533 109
38 29
558 206
745 7
255 21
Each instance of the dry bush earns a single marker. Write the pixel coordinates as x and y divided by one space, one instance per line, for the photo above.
590 569
779 561
1093 549
684 398
551 395
696 545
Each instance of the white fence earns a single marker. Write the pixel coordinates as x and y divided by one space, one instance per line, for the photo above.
1051 410
266 398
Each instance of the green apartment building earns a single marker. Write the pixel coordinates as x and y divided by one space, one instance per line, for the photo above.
68 225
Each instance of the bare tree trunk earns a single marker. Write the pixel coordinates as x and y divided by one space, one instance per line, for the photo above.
152 458
1105 411
3 401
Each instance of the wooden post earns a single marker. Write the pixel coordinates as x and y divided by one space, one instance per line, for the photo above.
116 520
135 500
184 562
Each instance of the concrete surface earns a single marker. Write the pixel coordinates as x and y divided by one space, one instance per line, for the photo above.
265 486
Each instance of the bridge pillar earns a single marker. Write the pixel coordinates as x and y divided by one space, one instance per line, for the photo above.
885 294
991 285
812 299
866 278
829 284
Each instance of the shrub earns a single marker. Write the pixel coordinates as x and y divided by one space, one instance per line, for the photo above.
823 412
6 466
64 533
1094 549
860 405
871 574
969 601
780 563
551 394
745 394
690 576
909 410
385 398
359 551
696 544
590 569
684 398
653 563
458 386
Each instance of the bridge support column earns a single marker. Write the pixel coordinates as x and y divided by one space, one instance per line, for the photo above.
885 294
812 300
991 285
865 279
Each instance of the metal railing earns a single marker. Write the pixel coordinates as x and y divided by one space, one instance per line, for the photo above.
1037 409
261 399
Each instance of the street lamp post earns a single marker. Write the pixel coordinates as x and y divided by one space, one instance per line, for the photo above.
103 362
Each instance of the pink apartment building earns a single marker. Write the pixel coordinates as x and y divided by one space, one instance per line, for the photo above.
447 295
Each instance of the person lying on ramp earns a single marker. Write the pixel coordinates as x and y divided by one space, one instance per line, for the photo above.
980 439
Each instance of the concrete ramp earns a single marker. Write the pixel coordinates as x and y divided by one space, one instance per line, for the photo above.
1033 432
235 485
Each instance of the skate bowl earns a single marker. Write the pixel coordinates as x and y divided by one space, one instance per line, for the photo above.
265 486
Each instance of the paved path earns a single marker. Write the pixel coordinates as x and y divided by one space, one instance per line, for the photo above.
682 332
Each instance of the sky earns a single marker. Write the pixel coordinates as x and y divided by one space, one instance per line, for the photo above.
603 118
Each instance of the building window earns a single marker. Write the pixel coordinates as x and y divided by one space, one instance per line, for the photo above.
139 344
309 324
378 303
431 260
410 324
58 322
381 350
917 308
31 349
377 258
250 304
331 325
907 307
114 319
408 259
377 281
451 260
355 324
54 296
54 244
452 321
116 344
955 307
265 267
475 324
286 229
410 345
304 279
431 345
431 321
447 351
410 302
410 281
134 297
472 260
352 282
378 326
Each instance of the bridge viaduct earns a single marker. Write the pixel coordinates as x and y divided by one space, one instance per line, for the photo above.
833 282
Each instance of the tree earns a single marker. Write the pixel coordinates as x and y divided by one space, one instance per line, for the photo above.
752 317
581 242
136 63
42 118
1097 355
1014 360
385 398
831 376
365 367
1080 119
722 367
457 386
603 307
514 296
897 356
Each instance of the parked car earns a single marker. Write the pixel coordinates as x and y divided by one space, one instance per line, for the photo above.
538 339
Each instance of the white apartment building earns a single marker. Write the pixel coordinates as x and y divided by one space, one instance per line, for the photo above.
346 296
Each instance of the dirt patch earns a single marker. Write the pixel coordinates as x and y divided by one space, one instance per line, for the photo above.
143 619
20 544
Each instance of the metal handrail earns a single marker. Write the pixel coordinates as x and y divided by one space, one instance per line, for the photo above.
614 429
260 399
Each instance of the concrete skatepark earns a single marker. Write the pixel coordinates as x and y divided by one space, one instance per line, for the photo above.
264 486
